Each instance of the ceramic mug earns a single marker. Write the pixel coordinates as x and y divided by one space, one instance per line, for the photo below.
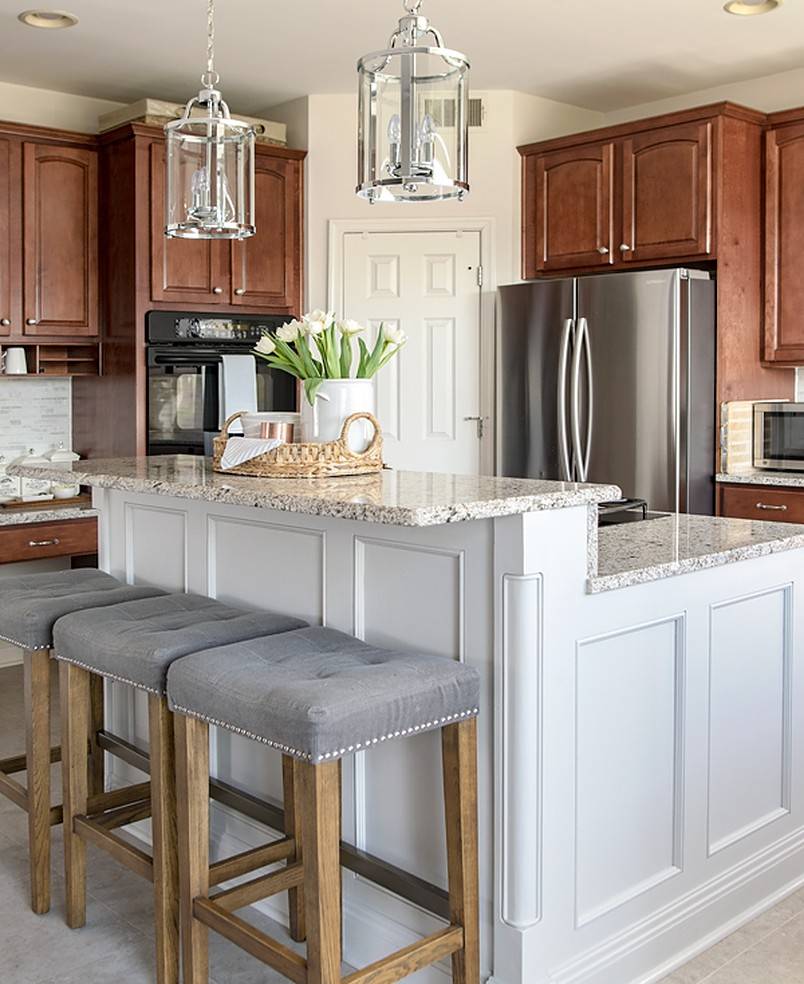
15 362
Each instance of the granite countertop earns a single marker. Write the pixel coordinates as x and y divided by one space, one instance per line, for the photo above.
635 553
398 498
759 476
45 514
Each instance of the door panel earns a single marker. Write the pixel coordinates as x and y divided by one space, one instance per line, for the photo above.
568 208
667 193
636 416
184 270
266 268
60 232
426 284
10 252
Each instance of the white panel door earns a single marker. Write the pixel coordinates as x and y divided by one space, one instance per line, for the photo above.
427 283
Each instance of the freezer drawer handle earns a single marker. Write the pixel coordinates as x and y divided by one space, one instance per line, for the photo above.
765 505
45 543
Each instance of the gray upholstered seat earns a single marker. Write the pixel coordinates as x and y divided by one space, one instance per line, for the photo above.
318 694
136 642
31 604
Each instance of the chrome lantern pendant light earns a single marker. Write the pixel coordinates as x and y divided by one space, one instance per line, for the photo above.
210 164
413 126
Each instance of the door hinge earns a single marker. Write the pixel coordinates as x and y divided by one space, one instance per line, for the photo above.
479 275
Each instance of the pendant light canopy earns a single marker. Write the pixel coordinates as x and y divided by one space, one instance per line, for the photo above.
413 126
210 164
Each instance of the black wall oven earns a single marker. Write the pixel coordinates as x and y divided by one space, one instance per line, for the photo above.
185 372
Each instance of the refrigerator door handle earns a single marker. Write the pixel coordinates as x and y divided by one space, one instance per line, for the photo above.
582 448
563 367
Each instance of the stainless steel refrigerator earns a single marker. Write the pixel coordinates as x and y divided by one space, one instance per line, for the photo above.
611 379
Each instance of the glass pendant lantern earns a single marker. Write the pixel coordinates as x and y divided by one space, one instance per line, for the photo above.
210 164
413 122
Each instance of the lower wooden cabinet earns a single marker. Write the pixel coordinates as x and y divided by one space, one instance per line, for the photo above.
38 541
762 502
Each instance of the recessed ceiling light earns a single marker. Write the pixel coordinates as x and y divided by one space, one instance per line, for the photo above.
750 8
48 19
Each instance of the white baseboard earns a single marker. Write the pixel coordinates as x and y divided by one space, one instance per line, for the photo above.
10 656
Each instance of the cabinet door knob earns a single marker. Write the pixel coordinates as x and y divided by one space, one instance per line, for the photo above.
31 321
5 322
240 291
217 290
602 250
624 248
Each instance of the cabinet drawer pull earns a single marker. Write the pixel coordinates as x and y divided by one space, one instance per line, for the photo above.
240 291
765 505
45 543
31 321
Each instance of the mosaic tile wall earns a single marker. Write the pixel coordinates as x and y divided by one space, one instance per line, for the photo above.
34 413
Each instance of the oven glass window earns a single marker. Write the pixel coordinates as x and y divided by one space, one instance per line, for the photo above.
182 404
783 436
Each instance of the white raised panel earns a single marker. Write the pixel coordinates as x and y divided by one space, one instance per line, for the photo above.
383 276
522 668
441 396
248 563
439 276
749 715
628 774
156 546
387 384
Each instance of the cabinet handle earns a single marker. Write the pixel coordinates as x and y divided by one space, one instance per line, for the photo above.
5 322
45 543
31 321
217 290
624 248
765 505
602 250
240 291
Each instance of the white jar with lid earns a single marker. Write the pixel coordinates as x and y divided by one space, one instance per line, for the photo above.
9 484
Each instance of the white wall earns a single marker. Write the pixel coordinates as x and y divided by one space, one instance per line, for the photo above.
43 107
326 125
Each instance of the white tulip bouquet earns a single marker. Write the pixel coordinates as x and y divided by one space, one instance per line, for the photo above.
319 347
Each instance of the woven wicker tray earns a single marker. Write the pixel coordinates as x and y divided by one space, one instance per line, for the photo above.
307 460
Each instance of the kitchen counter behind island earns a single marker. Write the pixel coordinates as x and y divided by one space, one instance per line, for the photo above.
641 794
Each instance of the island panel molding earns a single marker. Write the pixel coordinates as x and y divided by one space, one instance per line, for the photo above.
749 769
150 526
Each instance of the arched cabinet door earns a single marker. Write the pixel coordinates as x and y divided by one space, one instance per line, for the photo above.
60 240
667 193
568 209
266 268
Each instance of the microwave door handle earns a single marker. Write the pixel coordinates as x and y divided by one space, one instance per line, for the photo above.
563 367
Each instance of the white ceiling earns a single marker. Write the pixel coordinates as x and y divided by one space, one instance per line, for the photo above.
600 54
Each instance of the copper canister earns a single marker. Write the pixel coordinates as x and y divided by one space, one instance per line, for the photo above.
274 430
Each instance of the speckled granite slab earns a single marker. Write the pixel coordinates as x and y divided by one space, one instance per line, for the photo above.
397 498
12 517
757 476
634 553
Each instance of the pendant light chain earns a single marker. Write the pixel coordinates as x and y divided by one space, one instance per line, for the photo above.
210 78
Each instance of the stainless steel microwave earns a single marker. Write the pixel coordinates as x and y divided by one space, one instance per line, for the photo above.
779 436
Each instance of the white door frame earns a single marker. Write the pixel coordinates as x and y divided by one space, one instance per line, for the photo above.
340 228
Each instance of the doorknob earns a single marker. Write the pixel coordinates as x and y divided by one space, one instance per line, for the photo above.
481 425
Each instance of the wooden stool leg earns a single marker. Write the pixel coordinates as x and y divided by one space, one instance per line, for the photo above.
165 849
37 752
459 748
321 809
293 828
97 777
74 689
192 785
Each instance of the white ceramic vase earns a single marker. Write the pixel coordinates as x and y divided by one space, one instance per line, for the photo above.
335 401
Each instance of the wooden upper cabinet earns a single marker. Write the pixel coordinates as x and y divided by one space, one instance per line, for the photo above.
568 208
667 193
266 269
192 271
60 240
10 294
784 245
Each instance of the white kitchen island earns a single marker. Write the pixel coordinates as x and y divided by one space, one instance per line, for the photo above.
641 792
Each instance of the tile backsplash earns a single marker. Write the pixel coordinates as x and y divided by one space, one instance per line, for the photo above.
34 413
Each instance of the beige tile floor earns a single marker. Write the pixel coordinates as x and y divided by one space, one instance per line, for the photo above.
117 942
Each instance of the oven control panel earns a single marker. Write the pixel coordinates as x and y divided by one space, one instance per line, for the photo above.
172 328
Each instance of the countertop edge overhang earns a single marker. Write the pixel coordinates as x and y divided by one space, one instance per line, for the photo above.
413 499
759 476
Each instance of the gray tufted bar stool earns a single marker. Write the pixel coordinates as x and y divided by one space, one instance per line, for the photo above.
30 605
317 695
135 643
